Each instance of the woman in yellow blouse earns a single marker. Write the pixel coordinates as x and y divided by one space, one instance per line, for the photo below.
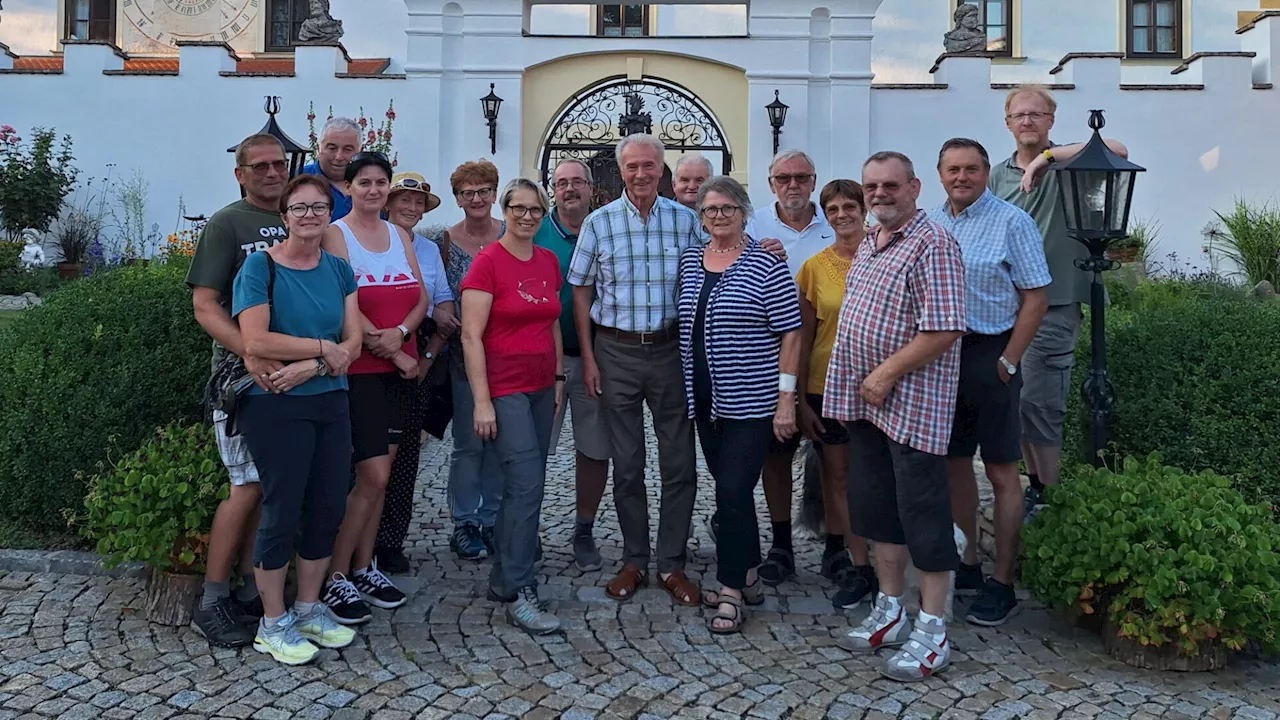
822 288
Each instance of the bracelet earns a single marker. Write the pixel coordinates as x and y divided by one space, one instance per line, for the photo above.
561 378
320 342
786 382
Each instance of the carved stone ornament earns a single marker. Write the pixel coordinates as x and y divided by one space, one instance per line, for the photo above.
320 28
968 36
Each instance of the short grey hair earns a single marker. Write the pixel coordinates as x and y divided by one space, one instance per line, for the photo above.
524 184
643 139
686 159
887 155
731 189
340 124
574 161
786 155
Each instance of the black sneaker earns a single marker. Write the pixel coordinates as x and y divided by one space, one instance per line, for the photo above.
344 601
836 566
467 544
392 561
969 580
779 566
377 589
994 606
860 583
1031 499
248 611
487 537
585 554
221 626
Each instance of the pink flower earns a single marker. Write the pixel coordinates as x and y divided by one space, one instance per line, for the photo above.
6 128
372 136
363 122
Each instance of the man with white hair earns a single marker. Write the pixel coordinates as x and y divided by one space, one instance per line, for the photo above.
687 178
339 142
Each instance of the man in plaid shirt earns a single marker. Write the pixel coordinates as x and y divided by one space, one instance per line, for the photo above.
894 370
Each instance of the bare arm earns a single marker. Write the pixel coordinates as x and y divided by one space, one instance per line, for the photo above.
419 312
784 417
808 333
261 342
583 296
1034 305
214 318
923 349
1036 169
478 303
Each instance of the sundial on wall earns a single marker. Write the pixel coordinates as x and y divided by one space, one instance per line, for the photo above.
166 22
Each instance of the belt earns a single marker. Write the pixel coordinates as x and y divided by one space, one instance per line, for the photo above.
640 338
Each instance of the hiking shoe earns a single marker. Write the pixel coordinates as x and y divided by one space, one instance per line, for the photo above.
249 611
377 589
969 580
585 554
488 536
284 642
467 543
527 613
859 584
926 651
1032 498
392 561
886 626
221 625
319 627
344 600
836 566
994 606
779 566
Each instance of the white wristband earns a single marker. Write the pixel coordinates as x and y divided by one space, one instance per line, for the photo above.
786 382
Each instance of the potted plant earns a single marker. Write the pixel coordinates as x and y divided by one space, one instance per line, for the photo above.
1182 570
1137 246
156 506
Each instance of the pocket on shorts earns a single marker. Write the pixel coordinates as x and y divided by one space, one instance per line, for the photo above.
234 451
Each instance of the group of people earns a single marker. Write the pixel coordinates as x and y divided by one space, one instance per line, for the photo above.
895 350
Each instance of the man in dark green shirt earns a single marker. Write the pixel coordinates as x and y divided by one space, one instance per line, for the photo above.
572 184
245 226
1047 364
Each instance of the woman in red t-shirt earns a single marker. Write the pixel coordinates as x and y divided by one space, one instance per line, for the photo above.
515 364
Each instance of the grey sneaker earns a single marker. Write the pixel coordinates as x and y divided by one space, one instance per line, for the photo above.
885 626
527 613
284 642
585 554
922 656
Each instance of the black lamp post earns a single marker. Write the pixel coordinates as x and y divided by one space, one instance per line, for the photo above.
297 153
1096 190
491 104
777 118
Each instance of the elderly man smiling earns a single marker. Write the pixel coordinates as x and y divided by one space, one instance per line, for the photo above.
339 142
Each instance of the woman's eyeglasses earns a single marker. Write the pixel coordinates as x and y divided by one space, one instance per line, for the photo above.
482 193
534 212
299 210
715 211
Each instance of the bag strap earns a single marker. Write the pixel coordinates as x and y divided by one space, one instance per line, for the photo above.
445 244
271 280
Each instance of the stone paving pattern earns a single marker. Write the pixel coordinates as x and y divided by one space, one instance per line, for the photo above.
78 647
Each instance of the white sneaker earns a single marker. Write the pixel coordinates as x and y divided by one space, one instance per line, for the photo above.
320 627
886 626
284 642
923 655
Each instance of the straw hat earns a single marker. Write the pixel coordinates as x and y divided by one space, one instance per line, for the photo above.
414 183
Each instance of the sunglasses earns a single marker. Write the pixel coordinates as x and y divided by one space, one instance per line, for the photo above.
262 168
371 154
410 183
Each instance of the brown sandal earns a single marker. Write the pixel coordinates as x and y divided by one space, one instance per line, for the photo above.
623 585
736 619
681 589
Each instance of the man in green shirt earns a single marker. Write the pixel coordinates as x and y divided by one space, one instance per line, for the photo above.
245 226
1047 364
572 184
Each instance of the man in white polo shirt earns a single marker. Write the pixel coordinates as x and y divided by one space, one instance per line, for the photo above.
795 221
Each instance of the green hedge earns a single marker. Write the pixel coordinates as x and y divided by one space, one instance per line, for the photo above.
117 354
1196 368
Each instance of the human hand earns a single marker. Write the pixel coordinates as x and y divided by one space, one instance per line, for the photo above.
384 343
591 376
784 418
876 387
1034 172
292 375
260 369
407 366
810 423
774 245
446 322
336 357
486 421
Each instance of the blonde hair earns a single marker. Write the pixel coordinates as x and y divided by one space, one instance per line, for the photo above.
1039 91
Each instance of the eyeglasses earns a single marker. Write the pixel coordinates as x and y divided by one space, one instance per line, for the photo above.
370 154
525 211
261 169
1033 116
482 193
725 211
797 179
575 183
889 188
299 210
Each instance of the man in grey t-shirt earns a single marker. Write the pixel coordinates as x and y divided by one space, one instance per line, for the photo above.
1024 180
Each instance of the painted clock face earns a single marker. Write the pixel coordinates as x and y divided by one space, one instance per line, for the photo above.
168 21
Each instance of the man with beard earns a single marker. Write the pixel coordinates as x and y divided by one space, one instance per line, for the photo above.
573 186
691 171
892 380
339 142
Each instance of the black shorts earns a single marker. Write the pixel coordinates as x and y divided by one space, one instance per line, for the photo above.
987 409
900 495
380 404
833 432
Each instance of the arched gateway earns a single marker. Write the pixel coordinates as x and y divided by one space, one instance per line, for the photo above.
594 120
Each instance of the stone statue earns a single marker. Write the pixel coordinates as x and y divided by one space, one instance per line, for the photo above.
968 36
320 28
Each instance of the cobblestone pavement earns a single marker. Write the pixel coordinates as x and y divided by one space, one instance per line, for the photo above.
77 647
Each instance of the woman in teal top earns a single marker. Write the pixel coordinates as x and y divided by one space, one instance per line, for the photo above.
296 304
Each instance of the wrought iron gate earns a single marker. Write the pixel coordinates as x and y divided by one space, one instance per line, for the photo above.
595 120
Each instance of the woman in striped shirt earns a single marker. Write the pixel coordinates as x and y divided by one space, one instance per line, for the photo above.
740 346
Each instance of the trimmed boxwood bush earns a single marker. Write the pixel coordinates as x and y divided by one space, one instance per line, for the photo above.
104 362
1196 367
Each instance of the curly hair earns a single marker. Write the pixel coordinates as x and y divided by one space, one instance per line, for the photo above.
478 172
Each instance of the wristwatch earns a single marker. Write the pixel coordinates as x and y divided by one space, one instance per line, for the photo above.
1048 155
1008 366
321 368
404 331
428 355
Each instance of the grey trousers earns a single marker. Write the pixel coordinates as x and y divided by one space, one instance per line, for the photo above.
633 376
524 435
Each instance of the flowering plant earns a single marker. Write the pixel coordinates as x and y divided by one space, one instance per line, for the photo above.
180 244
375 139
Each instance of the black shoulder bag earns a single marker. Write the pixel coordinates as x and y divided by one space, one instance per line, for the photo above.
230 379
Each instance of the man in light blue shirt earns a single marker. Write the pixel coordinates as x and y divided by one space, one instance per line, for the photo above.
1006 280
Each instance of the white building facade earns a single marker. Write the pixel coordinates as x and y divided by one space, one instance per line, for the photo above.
1186 85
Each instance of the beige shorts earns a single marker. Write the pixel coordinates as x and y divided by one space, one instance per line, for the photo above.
589 435
234 452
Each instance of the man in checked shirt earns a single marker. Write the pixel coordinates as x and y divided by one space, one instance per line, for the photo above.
892 379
